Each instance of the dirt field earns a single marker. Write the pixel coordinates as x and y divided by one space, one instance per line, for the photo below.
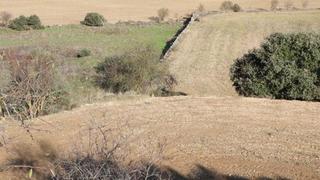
72 11
243 136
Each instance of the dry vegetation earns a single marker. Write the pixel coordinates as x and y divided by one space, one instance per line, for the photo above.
245 138
240 136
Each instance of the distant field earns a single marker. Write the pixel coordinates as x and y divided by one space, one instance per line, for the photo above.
104 41
202 60
72 11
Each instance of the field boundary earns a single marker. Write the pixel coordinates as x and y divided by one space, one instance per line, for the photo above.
174 42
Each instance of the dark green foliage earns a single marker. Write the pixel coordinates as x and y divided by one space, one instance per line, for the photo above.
236 8
287 66
83 53
93 19
26 23
139 70
34 22
19 23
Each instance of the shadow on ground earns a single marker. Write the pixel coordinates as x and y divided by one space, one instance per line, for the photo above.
202 173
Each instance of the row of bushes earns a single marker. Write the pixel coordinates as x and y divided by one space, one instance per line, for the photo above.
22 23
26 23
286 66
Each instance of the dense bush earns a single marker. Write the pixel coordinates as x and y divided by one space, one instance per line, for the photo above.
138 70
287 66
94 19
26 23
83 53
236 8
31 88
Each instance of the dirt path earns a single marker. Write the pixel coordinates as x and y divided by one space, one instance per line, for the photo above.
243 136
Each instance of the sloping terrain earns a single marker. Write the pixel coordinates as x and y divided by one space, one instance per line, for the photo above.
72 11
234 135
243 136
202 60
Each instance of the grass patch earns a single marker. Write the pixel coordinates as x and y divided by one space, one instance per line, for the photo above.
103 41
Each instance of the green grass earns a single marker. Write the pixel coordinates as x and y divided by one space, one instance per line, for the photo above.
101 41
108 40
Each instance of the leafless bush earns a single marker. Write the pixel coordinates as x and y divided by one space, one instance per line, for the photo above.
201 8
288 5
94 158
31 90
163 13
305 3
274 5
5 17
36 161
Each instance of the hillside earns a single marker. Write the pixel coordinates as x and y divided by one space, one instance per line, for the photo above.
72 11
243 136
212 127
202 60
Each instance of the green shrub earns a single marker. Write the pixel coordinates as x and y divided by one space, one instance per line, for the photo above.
93 19
83 53
236 8
26 23
139 70
34 22
287 66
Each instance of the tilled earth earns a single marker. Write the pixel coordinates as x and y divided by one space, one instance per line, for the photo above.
243 136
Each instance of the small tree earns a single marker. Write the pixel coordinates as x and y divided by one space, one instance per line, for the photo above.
34 22
201 8
5 17
274 5
163 13
236 8
94 19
